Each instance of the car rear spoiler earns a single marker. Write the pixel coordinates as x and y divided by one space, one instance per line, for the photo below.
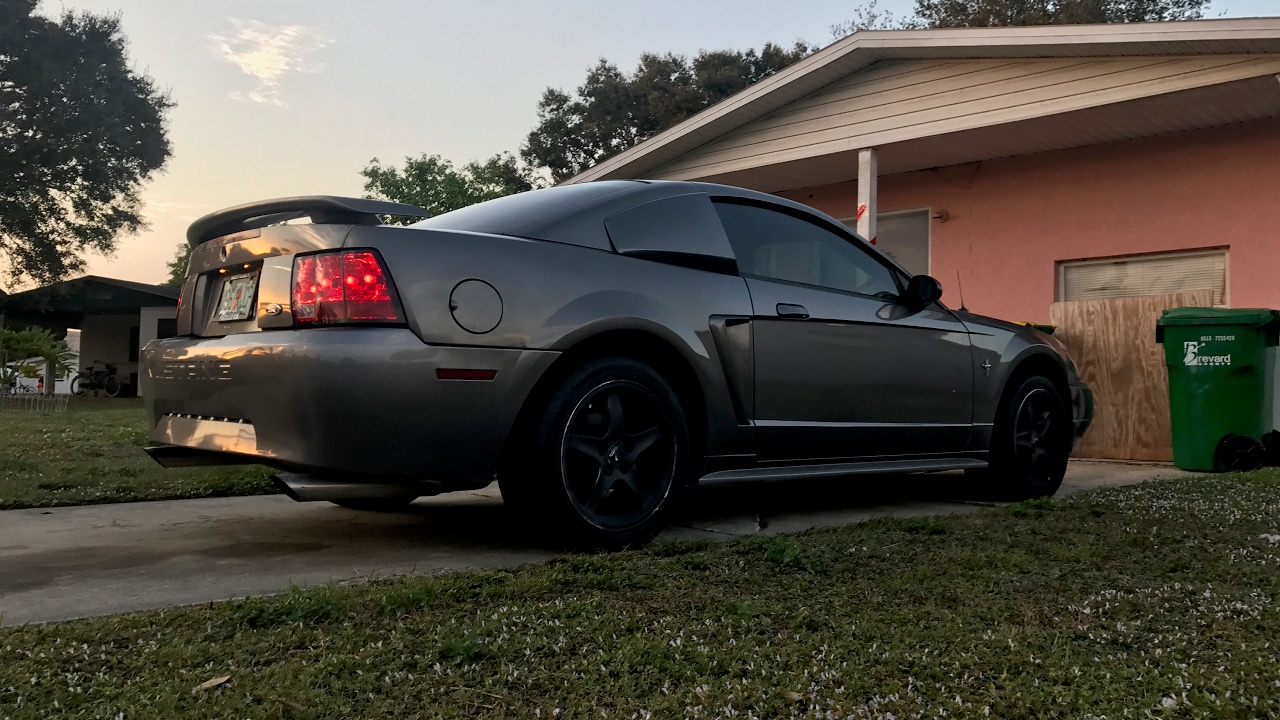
322 209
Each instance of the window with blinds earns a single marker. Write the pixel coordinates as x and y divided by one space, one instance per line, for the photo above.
903 236
1145 275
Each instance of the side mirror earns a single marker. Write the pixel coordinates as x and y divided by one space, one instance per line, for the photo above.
922 290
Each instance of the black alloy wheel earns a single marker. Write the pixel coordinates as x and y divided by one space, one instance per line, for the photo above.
1033 436
618 456
604 461
1031 440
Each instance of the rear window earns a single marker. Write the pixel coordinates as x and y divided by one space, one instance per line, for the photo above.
527 213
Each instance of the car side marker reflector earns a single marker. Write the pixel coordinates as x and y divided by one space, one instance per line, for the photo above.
465 374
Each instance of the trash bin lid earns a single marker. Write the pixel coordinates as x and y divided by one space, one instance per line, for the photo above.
1251 317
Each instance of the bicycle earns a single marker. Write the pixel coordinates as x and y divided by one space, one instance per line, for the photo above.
91 378
16 388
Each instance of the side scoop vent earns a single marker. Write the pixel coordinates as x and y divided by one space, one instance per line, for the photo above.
322 209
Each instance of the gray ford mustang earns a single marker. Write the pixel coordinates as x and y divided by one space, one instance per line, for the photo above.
599 348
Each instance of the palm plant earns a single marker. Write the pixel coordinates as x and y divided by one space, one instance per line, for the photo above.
57 356
15 346
20 348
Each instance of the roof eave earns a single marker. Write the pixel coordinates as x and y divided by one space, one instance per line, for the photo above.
863 48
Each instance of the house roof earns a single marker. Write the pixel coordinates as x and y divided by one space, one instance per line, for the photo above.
64 303
1256 42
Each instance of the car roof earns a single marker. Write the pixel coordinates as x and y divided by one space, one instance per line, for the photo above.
575 214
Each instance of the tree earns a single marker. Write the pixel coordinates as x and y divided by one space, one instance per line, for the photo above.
81 132
434 184
987 13
13 348
612 111
869 16
178 265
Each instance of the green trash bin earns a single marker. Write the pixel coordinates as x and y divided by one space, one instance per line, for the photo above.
1222 372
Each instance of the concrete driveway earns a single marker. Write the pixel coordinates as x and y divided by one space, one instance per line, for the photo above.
64 563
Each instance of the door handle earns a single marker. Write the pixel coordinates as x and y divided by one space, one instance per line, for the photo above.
792 312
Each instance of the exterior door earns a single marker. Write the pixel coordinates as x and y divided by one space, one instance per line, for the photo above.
842 368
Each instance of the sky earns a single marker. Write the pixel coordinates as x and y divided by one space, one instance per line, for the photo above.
294 97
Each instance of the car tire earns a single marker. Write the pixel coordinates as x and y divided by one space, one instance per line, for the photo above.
376 504
1030 441
610 456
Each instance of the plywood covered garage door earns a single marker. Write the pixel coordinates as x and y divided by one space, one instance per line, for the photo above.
1113 343
1107 318
1141 275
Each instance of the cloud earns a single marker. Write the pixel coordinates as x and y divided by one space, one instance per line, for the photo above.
267 53
163 209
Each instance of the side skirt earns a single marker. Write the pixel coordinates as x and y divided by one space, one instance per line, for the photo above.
309 488
869 467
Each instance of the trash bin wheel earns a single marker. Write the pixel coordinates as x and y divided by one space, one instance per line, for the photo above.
1239 453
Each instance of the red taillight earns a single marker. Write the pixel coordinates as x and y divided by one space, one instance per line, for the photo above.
365 286
305 296
350 286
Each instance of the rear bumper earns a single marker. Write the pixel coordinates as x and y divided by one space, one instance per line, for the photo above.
356 401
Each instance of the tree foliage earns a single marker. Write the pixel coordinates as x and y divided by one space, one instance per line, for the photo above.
81 131
869 16
434 184
178 265
612 110
988 13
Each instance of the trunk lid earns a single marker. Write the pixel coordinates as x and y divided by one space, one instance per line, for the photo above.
243 282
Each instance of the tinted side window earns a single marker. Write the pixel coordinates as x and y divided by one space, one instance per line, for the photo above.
775 245
683 230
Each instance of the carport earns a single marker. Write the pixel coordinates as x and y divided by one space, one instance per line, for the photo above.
115 318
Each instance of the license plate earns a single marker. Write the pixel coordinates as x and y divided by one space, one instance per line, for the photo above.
237 298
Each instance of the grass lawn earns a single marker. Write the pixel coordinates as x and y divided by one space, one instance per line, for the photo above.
92 453
1156 600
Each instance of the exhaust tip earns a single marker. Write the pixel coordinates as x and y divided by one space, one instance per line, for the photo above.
285 487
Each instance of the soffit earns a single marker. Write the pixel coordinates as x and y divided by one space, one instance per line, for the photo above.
896 102
1243 101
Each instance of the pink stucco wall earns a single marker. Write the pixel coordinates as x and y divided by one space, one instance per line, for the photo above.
1011 220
